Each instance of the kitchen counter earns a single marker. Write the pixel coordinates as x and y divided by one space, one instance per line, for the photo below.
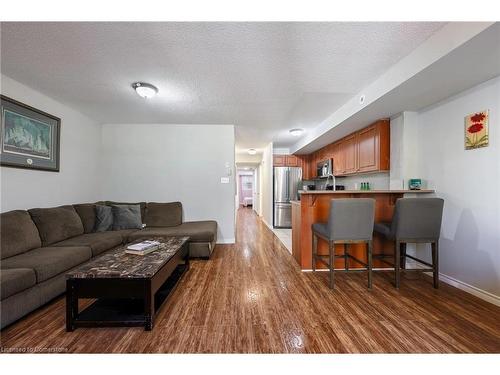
365 191
314 206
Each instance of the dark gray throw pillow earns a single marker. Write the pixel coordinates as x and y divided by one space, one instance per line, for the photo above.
126 217
103 218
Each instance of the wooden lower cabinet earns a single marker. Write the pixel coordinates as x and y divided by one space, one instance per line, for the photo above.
296 238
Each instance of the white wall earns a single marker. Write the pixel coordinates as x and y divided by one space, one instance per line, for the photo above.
158 162
266 185
78 180
469 182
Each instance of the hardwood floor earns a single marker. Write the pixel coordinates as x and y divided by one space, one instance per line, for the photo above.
252 298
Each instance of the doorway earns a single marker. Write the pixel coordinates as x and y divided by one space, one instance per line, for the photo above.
246 188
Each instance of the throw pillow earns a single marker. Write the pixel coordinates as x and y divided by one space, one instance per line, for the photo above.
103 218
126 217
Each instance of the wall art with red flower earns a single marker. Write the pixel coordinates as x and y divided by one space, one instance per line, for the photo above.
476 130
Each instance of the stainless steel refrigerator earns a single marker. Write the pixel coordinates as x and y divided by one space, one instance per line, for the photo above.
286 186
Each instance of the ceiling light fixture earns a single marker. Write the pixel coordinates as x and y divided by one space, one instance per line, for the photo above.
296 132
252 151
145 90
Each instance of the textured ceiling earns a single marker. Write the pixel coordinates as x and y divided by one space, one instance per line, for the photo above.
265 78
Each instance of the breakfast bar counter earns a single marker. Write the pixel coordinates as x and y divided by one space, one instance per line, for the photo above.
314 207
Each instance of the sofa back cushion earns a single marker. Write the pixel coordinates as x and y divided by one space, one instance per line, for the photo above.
163 214
142 204
18 233
126 217
104 218
57 223
87 214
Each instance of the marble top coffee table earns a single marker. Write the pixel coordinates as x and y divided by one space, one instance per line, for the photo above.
129 289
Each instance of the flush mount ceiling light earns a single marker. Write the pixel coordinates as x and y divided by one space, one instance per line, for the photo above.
145 90
252 151
296 132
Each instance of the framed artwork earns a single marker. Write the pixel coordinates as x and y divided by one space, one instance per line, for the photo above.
29 138
476 130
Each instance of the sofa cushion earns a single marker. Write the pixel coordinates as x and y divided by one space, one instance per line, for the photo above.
16 280
57 223
198 231
87 214
126 217
49 261
98 242
103 219
163 214
18 233
142 204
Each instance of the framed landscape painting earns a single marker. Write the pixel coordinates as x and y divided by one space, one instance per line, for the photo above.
29 138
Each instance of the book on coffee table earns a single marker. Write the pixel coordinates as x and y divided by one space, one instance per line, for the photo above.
143 248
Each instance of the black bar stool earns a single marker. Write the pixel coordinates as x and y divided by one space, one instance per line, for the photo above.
349 221
415 220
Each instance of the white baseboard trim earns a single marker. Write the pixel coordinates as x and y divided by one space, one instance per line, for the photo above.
227 241
479 293
267 224
343 269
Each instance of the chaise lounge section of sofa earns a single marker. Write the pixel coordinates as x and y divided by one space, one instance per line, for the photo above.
39 246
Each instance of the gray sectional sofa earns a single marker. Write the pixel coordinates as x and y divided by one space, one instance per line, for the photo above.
38 247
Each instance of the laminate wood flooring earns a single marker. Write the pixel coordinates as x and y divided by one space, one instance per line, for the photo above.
252 297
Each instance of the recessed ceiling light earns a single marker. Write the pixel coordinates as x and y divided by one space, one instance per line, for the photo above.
296 132
252 151
145 90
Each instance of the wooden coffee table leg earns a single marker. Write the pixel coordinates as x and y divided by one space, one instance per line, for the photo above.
71 305
149 307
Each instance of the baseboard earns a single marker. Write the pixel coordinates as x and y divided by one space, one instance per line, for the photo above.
228 241
343 269
482 294
267 224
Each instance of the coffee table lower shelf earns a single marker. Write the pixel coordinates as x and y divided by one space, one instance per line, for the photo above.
120 302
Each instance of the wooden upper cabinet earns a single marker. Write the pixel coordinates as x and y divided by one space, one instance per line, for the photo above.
279 160
338 159
350 154
292 161
368 149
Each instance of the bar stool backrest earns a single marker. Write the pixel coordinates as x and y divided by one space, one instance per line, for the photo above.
351 219
417 218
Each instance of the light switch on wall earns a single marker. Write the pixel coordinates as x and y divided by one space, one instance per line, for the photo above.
224 180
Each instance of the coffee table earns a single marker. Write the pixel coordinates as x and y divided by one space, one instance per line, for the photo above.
129 289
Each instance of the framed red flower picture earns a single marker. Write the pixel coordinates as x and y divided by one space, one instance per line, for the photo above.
476 130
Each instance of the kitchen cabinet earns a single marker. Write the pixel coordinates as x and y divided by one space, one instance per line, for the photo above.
367 150
279 160
292 161
350 154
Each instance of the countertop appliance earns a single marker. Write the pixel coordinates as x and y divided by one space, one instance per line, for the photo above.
324 168
287 181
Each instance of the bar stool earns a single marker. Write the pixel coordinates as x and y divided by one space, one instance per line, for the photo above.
349 221
415 220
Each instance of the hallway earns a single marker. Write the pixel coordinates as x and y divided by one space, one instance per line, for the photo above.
251 297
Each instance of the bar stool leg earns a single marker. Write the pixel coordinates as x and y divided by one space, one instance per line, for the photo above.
314 251
369 261
435 264
397 259
331 249
403 255
346 256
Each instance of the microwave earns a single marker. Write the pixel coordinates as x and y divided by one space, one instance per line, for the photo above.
324 168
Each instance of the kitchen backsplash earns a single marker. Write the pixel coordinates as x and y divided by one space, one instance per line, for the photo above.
378 181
